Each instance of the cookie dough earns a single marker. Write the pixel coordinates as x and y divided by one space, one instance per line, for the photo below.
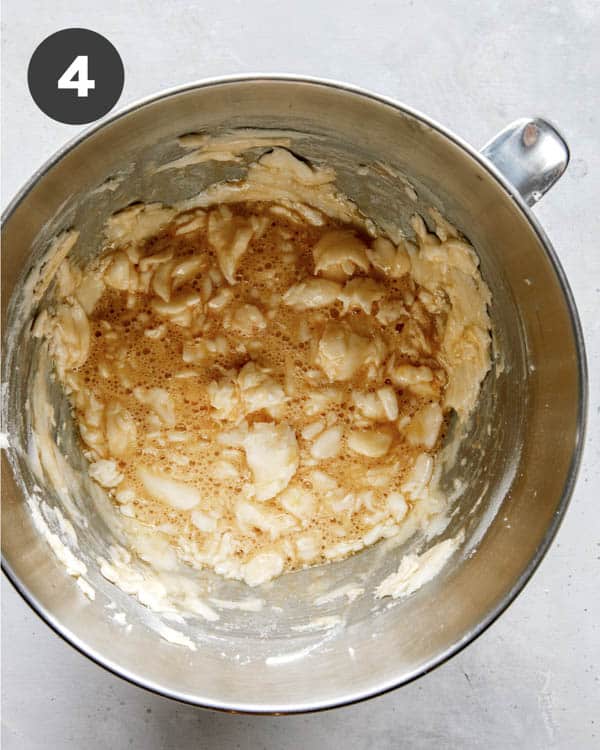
261 378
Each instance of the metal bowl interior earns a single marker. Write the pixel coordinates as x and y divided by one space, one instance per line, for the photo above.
517 474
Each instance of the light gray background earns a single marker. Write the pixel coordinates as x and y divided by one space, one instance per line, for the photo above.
533 679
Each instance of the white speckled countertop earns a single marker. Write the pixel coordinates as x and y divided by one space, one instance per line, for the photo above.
533 679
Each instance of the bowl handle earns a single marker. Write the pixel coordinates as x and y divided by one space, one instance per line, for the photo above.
531 154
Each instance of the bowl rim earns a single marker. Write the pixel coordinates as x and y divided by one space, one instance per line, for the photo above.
348 697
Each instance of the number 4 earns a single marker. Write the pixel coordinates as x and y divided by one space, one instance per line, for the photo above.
76 77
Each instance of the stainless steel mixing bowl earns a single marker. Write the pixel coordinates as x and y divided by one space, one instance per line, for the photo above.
520 458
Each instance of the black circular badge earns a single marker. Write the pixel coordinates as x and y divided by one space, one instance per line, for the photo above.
75 76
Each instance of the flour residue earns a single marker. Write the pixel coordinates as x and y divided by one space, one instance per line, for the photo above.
417 570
